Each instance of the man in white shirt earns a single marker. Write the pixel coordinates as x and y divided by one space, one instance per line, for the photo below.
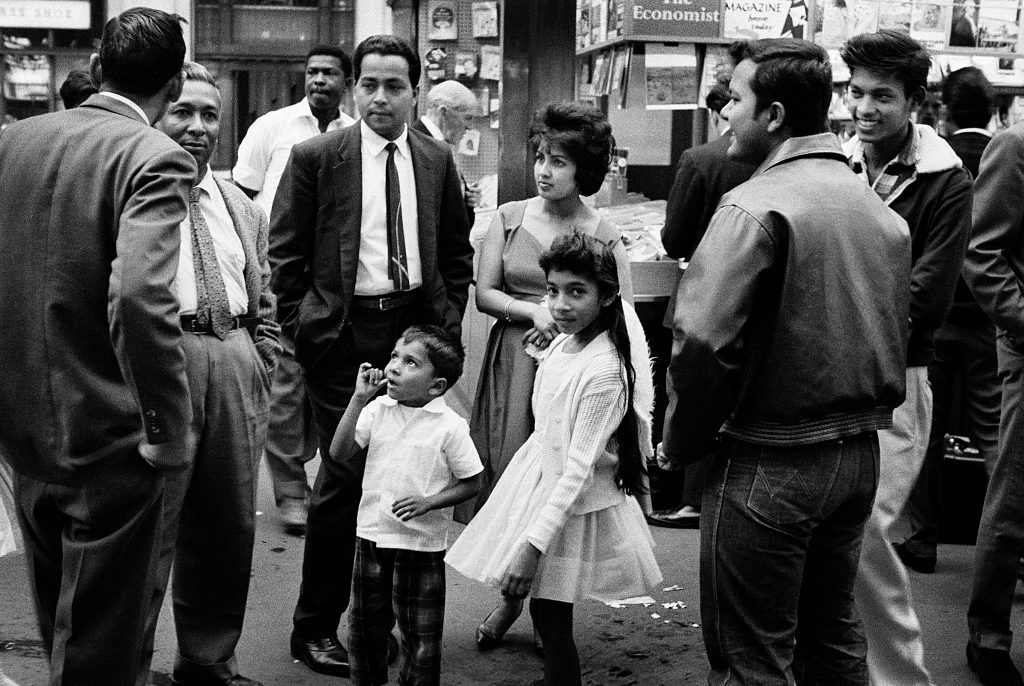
450 108
262 155
230 345
368 236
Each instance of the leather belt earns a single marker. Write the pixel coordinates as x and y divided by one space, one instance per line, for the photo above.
190 324
388 301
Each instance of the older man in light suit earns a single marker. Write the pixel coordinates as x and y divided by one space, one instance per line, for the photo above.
230 344
368 235
94 399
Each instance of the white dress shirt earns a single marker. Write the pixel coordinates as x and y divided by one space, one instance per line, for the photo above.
433 128
130 103
372 275
226 243
264 151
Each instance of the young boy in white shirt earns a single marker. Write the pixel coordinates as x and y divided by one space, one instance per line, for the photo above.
420 462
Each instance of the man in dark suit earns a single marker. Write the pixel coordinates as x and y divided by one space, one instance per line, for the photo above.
94 398
368 236
230 344
965 344
450 107
704 174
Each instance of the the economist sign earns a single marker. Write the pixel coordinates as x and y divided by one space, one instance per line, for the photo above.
679 19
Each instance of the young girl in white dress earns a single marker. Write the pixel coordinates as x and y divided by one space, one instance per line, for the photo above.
562 523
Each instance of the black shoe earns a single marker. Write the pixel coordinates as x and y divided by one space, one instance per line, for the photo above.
686 517
993 667
237 680
919 563
322 655
392 649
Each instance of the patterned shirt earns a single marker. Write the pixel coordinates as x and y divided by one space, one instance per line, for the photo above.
897 174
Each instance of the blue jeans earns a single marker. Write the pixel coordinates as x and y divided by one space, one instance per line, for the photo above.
780 540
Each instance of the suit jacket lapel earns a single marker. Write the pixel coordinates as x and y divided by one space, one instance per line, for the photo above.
347 186
428 178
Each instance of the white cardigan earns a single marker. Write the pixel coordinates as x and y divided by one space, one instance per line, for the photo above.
578 466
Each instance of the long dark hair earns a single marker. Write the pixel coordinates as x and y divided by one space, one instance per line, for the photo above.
588 257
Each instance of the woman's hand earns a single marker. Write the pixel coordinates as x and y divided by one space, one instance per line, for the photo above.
519 577
535 338
544 323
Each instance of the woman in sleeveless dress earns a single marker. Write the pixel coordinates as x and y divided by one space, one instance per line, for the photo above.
572 148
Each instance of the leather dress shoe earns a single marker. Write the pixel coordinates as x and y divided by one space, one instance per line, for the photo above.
322 655
993 667
293 516
237 680
686 517
919 563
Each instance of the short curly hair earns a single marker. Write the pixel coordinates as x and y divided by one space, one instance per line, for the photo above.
583 133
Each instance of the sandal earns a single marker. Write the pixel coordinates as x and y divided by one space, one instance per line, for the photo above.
488 634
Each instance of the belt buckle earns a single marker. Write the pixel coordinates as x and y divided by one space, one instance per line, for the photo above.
382 304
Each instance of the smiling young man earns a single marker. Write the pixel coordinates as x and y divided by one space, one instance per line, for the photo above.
262 155
917 175
230 345
790 324
369 235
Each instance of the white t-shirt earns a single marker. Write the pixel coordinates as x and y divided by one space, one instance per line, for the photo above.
412 451
263 153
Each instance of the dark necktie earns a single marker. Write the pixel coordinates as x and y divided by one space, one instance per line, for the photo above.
398 268
211 297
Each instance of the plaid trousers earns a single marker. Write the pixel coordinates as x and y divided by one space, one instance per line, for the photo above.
390 584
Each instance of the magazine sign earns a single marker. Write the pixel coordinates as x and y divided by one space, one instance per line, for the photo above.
673 18
44 14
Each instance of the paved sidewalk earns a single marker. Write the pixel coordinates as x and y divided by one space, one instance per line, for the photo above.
618 646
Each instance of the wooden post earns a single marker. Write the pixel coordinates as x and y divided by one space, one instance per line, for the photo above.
538 43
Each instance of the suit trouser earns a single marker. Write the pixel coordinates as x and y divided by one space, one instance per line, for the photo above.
882 590
967 351
331 526
210 514
291 434
1001 531
92 559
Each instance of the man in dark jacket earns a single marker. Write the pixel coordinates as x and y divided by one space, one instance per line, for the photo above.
94 403
965 345
790 330
995 262
919 176
704 174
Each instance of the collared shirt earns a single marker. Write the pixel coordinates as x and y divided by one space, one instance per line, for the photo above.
372 274
130 103
264 151
226 243
898 173
433 128
413 451
973 129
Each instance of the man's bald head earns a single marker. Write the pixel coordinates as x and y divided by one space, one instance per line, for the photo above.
451 106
